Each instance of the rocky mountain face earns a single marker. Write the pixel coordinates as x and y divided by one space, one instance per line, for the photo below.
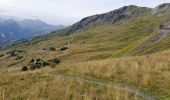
161 9
112 17
115 16
12 29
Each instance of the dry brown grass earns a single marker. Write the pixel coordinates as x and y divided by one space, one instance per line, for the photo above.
32 86
150 72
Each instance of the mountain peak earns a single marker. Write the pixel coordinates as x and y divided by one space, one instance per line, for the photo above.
164 5
12 29
131 10
130 7
111 17
162 9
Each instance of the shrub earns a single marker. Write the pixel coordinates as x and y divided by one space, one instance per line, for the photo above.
55 61
37 63
24 68
44 49
13 53
46 63
52 49
1 55
34 63
18 57
32 60
63 48
161 26
32 67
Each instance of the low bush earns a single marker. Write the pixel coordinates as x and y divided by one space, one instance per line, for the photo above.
55 61
16 53
37 63
52 49
44 49
18 57
46 63
24 68
1 55
63 48
13 53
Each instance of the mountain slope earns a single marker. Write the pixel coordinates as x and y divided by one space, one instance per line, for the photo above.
138 34
133 52
90 53
135 36
10 30
37 25
112 17
126 12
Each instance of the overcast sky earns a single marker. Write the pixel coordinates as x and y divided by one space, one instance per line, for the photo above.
66 12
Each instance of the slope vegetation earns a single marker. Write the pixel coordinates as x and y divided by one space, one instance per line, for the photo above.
131 52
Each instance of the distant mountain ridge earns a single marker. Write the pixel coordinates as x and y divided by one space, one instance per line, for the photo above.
13 28
126 12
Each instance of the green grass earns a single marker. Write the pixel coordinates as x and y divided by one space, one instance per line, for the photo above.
124 38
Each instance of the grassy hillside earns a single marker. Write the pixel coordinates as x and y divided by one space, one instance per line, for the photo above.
30 85
131 37
131 53
148 73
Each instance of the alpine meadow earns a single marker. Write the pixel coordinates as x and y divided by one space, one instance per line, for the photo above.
123 54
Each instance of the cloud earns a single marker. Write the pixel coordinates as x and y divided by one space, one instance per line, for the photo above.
2 10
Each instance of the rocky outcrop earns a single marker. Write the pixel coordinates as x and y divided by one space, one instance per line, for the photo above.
126 12
112 17
161 9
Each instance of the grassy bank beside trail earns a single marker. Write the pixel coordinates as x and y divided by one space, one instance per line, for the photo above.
32 86
150 73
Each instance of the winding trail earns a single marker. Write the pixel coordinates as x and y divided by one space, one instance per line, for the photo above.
134 91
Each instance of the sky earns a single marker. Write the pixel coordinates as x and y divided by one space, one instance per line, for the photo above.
66 12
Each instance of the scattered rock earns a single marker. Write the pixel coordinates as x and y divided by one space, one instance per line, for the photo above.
68 43
35 63
13 53
38 63
16 53
163 35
